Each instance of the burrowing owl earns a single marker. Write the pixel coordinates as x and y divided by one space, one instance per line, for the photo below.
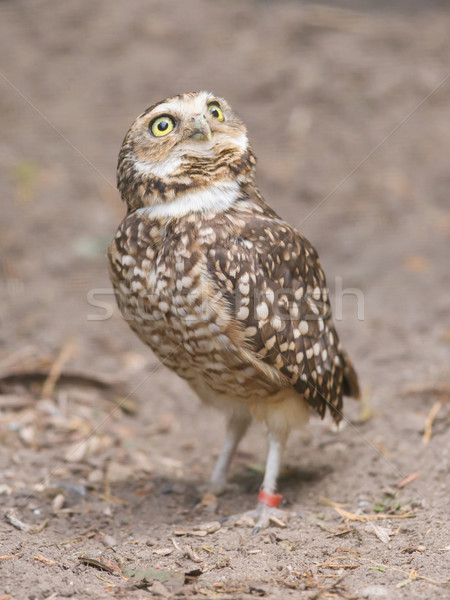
226 293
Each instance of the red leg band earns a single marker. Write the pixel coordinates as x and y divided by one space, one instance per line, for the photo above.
272 500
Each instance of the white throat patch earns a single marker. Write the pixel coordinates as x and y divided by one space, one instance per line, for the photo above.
161 169
214 198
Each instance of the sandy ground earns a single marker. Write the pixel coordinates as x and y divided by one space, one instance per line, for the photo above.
348 110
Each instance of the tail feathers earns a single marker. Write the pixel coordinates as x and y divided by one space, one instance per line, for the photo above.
350 383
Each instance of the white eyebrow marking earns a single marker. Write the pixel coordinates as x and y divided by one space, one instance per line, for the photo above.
182 106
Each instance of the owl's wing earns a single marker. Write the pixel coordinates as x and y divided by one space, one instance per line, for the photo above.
275 287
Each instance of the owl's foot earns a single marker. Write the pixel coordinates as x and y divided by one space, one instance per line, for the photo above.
261 517
265 516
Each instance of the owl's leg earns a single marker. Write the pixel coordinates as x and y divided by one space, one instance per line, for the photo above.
268 500
236 427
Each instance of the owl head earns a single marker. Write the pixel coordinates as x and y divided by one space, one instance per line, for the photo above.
182 144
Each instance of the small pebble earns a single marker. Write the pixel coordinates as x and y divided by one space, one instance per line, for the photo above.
375 591
58 502
109 541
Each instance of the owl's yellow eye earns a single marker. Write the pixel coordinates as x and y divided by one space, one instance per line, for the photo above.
216 111
162 126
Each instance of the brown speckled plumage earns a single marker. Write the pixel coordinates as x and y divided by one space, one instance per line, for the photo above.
226 293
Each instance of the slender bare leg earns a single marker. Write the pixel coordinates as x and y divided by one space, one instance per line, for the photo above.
277 442
273 462
236 428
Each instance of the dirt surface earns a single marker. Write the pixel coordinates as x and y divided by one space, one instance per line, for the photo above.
348 110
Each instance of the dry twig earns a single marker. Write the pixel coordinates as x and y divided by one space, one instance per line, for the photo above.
54 374
348 516
46 561
428 430
12 518
407 480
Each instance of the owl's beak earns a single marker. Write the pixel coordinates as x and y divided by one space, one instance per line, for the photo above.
201 131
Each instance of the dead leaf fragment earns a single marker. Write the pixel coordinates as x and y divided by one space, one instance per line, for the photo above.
198 533
201 530
176 545
209 527
93 445
276 521
382 533
190 553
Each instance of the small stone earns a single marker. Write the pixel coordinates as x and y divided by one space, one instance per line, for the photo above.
109 541
159 589
26 434
95 476
163 551
58 502
374 591
118 472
